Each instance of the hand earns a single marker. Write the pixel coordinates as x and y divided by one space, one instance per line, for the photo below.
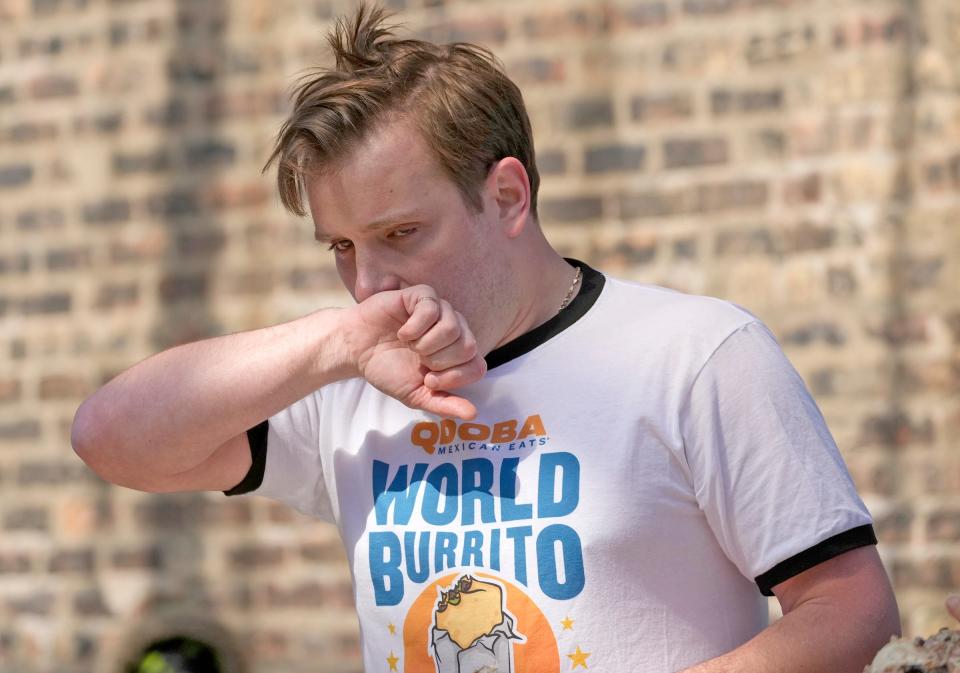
415 347
953 605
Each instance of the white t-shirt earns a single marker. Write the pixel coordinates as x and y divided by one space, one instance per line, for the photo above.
643 468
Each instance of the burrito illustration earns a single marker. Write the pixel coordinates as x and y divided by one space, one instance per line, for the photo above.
472 630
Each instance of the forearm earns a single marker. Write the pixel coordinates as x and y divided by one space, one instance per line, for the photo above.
816 637
169 412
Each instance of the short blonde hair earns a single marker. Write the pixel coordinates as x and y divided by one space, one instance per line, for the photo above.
469 112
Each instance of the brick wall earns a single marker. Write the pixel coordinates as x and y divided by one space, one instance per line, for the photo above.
799 157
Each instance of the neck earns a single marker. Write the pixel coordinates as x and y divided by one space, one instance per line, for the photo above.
543 289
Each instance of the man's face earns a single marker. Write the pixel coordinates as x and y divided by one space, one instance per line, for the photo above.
394 219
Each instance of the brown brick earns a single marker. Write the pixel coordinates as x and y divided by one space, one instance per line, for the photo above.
663 106
894 527
53 86
686 152
14 563
39 603
63 387
822 331
781 46
9 390
574 22
899 330
745 101
251 283
803 190
230 195
156 161
170 114
304 594
147 248
656 203
618 157
685 248
922 273
895 428
280 513
739 242
266 644
571 209
731 195
85 647
90 603
32 472
251 556
859 32
323 552
538 70
108 211
25 428
318 278
481 30
27 518
174 204
210 153
148 557
640 15
29 132
841 281
15 264
15 175
183 287
587 113
200 242
44 220
807 236
766 143
944 525
551 162
99 123
68 259
114 295
72 560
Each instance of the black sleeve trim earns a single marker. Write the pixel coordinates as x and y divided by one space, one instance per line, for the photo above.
861 536
257 436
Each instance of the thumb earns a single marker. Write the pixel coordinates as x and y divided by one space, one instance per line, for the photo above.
444 404
953 605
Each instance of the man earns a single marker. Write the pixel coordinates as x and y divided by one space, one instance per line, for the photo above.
533 466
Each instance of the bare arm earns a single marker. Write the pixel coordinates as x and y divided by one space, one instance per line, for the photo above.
837 615
192 404
178 420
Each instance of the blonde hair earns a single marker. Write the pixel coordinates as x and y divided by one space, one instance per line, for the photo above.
468 111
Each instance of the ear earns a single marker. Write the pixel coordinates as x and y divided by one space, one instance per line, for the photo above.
509 188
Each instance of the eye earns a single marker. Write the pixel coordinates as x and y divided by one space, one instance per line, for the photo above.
401 233
340 246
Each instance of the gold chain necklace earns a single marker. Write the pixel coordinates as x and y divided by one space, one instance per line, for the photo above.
566 300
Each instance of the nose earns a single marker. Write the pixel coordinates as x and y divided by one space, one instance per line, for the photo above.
372 277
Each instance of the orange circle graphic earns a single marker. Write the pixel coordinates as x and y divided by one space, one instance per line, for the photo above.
538 652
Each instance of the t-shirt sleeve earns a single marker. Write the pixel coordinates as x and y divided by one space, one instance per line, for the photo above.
286 460
765 469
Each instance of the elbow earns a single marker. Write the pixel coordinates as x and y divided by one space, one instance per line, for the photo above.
81 432
89 441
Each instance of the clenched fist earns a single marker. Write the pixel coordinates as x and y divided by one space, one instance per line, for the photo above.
415 347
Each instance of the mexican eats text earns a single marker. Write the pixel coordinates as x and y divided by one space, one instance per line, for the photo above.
479 497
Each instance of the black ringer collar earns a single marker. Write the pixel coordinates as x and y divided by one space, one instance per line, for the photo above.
591 283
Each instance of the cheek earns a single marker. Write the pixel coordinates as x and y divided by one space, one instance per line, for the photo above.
348 275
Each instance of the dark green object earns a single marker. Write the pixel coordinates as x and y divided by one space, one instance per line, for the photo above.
179 654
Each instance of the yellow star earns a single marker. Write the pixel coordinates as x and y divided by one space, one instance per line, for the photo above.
393 629
567 624
392 660
579 658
